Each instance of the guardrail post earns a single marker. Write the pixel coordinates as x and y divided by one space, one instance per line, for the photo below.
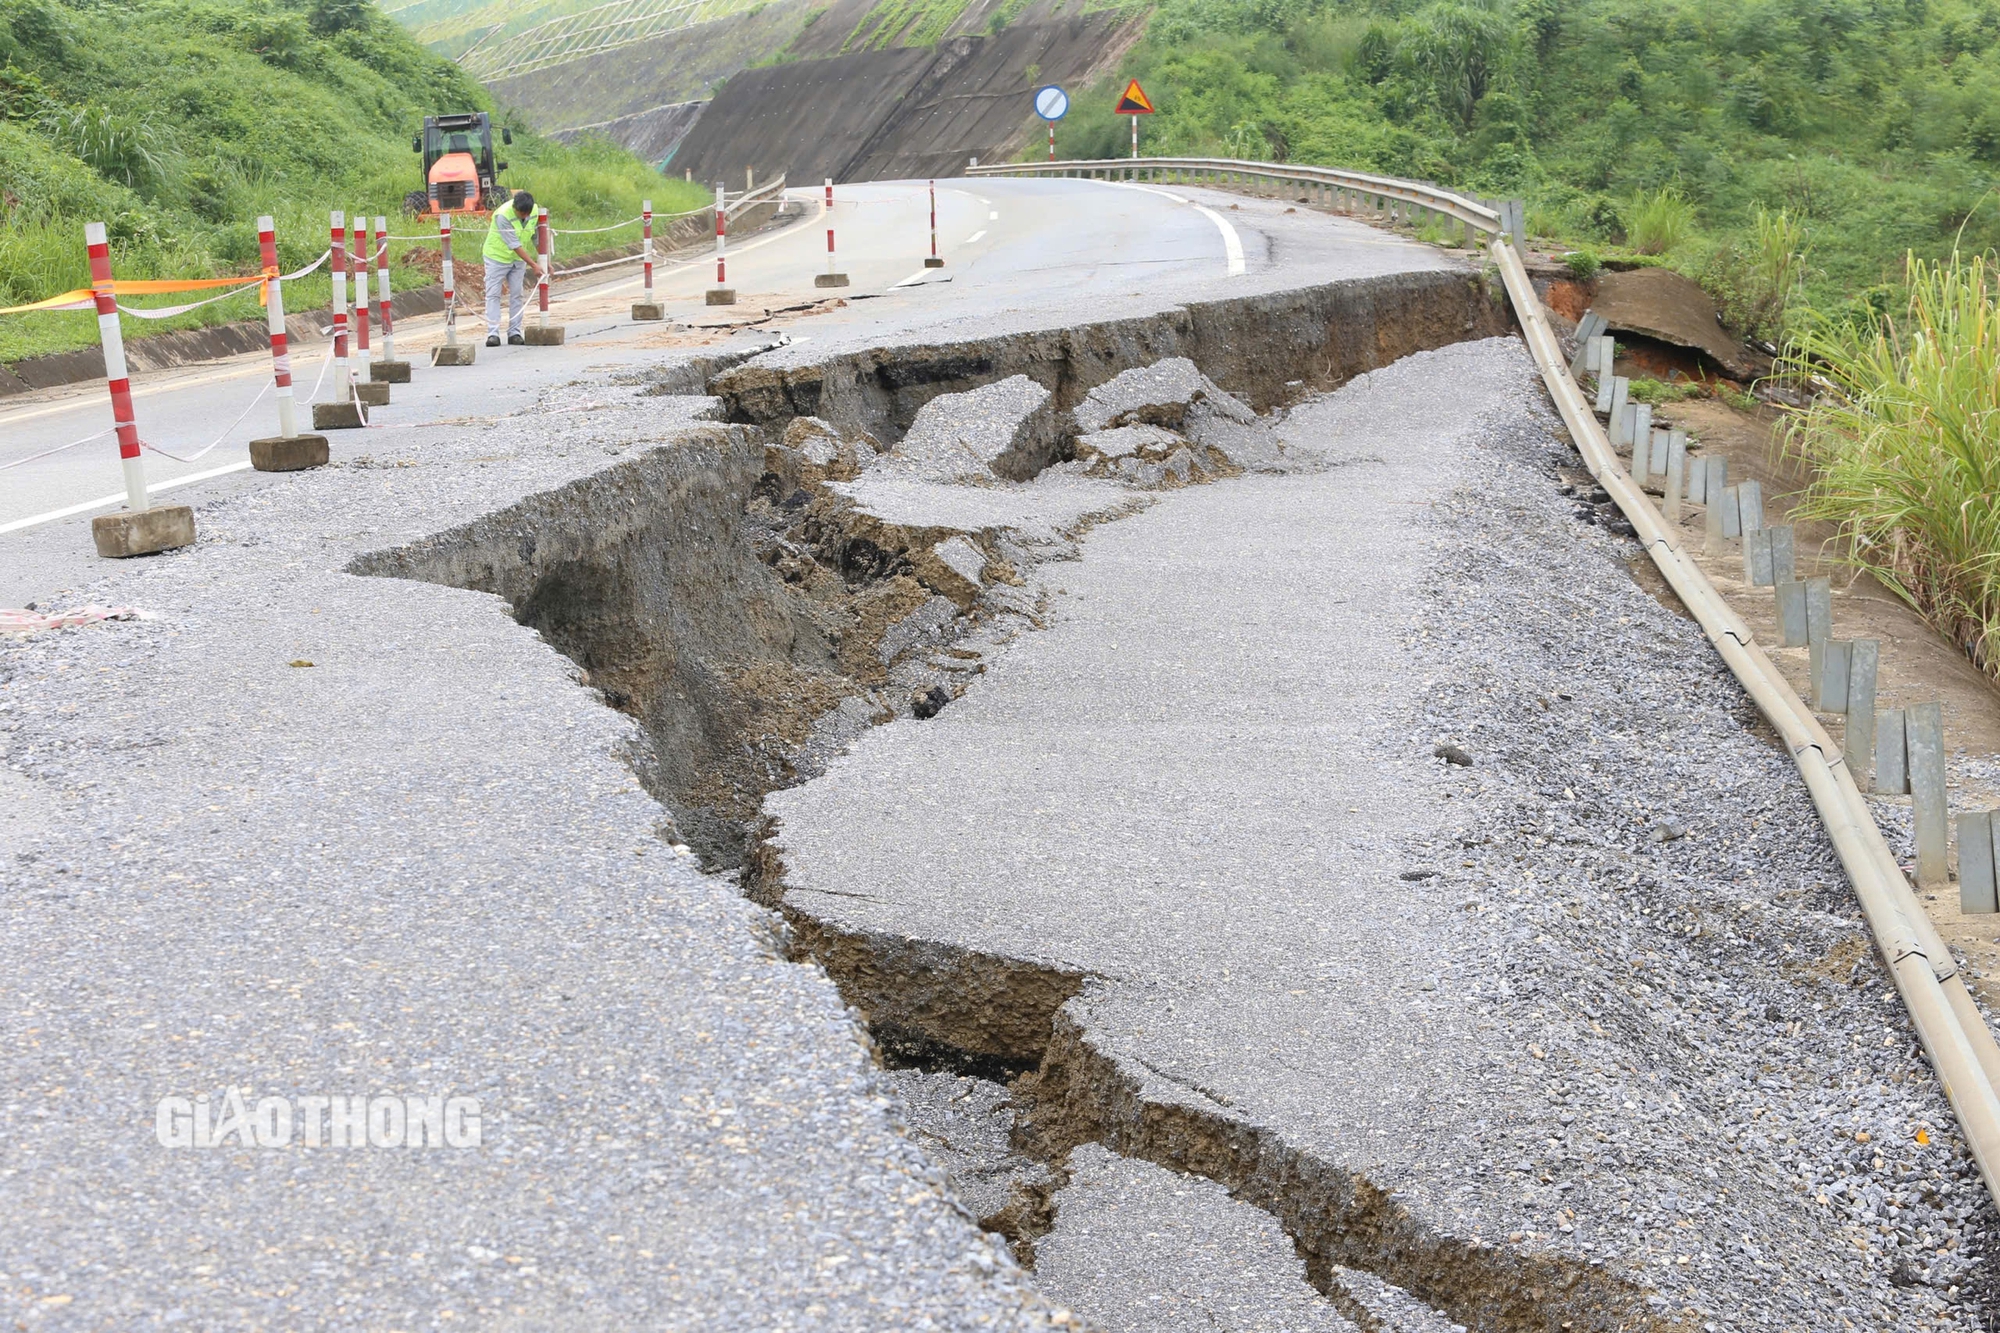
287 451
542 333
1892 771
1676 483
452 352
141 529
646 308
721 293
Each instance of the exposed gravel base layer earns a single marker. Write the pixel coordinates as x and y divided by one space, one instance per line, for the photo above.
1743 1106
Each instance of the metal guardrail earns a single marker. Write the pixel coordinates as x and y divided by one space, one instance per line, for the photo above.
1954 1032
1226 171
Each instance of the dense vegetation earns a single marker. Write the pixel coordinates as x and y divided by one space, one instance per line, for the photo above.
177 122
1780 150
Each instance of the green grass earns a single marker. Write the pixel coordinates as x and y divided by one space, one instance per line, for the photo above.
177 122
1901 443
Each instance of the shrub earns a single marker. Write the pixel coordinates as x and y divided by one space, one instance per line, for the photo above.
1658 220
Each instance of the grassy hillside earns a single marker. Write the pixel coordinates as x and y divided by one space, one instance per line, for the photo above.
1861 129
177 122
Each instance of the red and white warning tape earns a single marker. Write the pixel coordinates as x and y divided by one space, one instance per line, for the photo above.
27 622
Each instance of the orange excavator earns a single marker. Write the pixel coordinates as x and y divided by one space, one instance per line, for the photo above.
460 175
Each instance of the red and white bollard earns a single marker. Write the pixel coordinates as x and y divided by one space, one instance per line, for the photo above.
368 391
646 308
387 369
141 529
452 352
721 293
833 277
1052 141
340 412
934 261
287 451
542 333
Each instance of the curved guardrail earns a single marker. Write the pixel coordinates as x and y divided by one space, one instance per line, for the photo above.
1954 1033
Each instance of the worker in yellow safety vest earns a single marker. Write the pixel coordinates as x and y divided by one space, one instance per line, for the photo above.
508 260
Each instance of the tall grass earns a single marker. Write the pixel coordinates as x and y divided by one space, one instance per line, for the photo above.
1658 221
1902 440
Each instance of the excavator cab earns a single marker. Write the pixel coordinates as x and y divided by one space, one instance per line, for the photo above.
460 175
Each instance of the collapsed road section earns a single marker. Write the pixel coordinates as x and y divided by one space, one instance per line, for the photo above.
1211 834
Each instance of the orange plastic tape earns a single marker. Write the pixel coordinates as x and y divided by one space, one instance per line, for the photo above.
145 287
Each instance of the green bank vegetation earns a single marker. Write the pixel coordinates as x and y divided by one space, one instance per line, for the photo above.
1787 153
1901 439
177 122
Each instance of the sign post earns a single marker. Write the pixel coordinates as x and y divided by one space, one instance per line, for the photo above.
1051 104
1133 102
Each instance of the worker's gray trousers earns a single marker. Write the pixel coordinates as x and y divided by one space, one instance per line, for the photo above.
509 274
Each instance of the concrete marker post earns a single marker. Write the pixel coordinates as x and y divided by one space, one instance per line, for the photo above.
1715 522
542 333
387 369
1892 769
721 293
935 260
342 412
452 352
1924 736
1792 615
647 309
287 451
140 529
1757 558
1642 438
368 393
1615 423
1607 387
1784 565
1864 665
1676 480
1750 505
1975 863
1832 661
833 277
1819 609
1642 456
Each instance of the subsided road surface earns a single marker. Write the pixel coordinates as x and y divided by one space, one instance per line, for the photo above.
301 833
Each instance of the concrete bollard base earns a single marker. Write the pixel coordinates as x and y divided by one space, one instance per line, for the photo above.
278 454
389 372
372 395
830 280
162 528
543 335
934 262
453 354
336 416
643 310
721 296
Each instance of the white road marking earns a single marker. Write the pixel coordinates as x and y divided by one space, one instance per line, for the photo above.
976 236
105 502
1232 244
912 280
993 217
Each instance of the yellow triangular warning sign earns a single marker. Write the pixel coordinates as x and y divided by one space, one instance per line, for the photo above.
1134 102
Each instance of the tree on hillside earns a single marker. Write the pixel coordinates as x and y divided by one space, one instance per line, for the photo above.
1456 51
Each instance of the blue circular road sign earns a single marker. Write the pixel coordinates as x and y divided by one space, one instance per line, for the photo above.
1051 103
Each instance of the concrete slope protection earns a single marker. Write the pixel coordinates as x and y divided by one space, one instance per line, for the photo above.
902 113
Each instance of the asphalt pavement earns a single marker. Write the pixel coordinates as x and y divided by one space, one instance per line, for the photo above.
295 837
